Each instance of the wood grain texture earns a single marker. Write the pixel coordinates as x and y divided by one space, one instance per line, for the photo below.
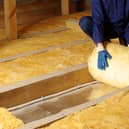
45 87
10 19
65 7
109 114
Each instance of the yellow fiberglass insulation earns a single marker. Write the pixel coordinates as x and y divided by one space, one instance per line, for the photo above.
8 120
101 90
44 63
11 48
117 74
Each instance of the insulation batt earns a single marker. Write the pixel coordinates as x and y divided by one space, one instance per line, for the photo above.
44 63
47 62
11 48
8 120
52 23
44 25
117 74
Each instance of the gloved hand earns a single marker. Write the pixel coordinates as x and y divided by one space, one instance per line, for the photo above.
103 56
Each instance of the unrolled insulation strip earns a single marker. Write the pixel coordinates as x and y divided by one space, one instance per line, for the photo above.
75 42
58 29
36 79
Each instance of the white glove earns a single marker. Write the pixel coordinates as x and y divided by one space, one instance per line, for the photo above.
100 47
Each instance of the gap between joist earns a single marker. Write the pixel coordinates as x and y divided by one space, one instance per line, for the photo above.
49 97
68 111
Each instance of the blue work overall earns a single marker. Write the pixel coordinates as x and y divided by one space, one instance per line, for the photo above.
110 19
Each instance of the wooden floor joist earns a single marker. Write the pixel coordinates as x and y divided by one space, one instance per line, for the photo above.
94 114
64 104
65 7
10 19
43 85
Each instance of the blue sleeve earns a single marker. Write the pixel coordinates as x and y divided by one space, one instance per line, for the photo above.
98 21
127 33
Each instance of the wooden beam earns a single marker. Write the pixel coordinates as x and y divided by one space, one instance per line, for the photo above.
10 19
65 7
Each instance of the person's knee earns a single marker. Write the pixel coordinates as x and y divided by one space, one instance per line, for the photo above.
85 22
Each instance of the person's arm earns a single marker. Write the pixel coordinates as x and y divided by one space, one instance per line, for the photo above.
98 33
127 34
98 21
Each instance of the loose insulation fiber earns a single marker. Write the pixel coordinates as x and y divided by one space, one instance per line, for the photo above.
117 74
8 120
